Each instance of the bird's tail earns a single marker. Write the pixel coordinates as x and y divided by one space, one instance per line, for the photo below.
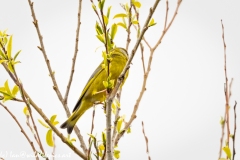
70 123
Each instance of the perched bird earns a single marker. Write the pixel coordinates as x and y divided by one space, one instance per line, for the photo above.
94 90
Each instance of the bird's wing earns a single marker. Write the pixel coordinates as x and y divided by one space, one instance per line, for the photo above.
91 79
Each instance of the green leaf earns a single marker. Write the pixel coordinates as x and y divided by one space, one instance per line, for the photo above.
16 55
92 136
6 86
116 154
119 124
135 22
129 130
101 38
113 31
10 67
104 138
113 108
49 138
25 111
55 123
1 61
98 29
52 119
43 124
137 4
101 4
120 15
101 147
122 25
2 55
15 62
105 18
222 121
15 90
108 11
9 48
227 151
152 23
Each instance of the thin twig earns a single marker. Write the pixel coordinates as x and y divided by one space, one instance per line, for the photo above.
51 73
226 92
54 147
22 130
146 140
129 25
133 116
166 15
234 132
75 52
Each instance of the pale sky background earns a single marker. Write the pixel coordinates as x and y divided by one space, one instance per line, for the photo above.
184 100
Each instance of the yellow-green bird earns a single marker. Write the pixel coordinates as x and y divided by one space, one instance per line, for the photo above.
94 90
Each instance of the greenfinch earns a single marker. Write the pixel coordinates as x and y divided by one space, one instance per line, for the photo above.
94 91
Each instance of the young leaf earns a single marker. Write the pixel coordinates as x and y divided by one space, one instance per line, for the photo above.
10 67
152 23
55 123
43 124
120 15
52 119
6 86
104 138
108 11
25 111
98 29
2 55
119 124
15 90
1 61
49 138
9 48
113 31
227 150
122 25
94 7
137 4
134 22
101 38
15 57
116 154
105 18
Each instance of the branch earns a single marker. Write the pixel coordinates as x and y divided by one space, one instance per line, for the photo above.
133 116
146 140
55 86
226 92
129 25
235 128
22 130
75 52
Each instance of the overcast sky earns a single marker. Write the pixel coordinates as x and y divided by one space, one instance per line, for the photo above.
184 100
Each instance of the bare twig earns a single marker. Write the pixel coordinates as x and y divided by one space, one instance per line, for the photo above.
166 16
234 132
22 130
226 92
133 116
54 147
146 140
75 52
129 25
51 73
